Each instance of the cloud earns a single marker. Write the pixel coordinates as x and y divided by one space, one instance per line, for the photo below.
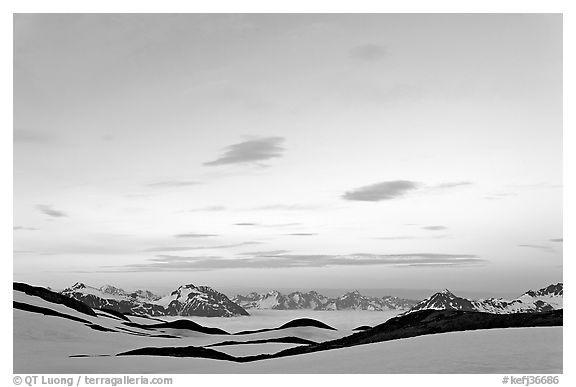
173 183
245 224
386 190
557 240
452 185
409 237
389 190
187 248
499 196
21 228
302 234
194 235
369 52
31 137
48 210
434 228
208 209
289 207
279 260
397 238
250 151
538 247
265 253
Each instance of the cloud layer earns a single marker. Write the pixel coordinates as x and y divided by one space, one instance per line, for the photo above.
279 259
386 190
368 52
173 183
250 151
50 211
434 228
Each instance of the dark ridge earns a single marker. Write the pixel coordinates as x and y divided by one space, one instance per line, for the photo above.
362 328
131 332
425 322
50 312
53 297
97 327
46 311
255 331
189 351
306 322
300 322
288 340
99 314
115 313
82 355
180 324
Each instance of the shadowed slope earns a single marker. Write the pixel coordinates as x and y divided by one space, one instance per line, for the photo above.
415 324
299 322
180 324
53 297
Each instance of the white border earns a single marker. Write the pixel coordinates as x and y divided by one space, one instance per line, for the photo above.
295 6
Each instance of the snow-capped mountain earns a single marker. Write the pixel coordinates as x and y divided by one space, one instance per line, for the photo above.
187 300
277 300
190 300
314 300
545 299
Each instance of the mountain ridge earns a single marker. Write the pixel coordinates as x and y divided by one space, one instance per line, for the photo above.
543 300
186 300
315 301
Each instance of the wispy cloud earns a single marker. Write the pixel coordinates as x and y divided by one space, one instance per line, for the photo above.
21 228
452 185
386 190
369 52
434 228
268 225
31 136
410 237
538 247
302 234
50 211
498 196
189 248
208 209
288 207
557 240
173 183
276 260
397 238
194 235
389 190
250 151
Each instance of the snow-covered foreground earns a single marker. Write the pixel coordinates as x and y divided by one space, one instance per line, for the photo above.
42 344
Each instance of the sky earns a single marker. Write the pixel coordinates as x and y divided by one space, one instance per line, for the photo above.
301 151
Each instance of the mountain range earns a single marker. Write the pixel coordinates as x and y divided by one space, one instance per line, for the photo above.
191 300
542 300
187 300
313 300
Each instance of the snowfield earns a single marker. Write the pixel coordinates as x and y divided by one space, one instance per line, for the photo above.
42 344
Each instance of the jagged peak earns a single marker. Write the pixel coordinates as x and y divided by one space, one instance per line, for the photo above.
110 289
77 285
446 292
